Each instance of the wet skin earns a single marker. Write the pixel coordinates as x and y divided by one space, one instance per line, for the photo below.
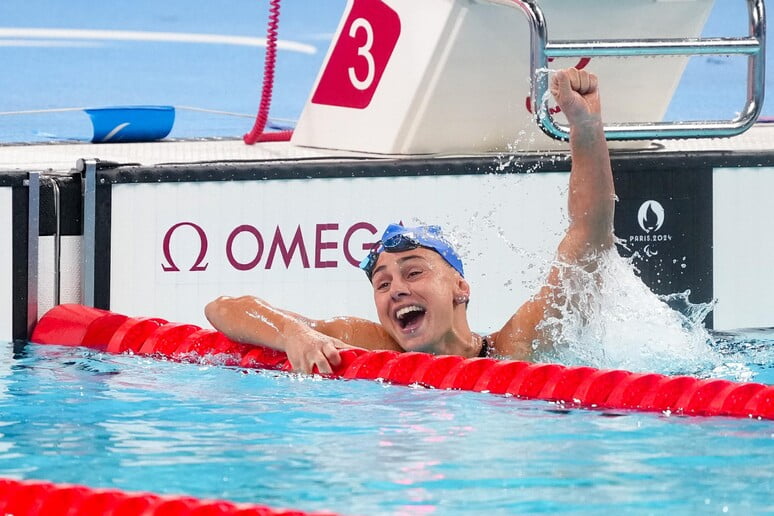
421 300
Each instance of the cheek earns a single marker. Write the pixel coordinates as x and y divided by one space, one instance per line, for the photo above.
442 290
381 305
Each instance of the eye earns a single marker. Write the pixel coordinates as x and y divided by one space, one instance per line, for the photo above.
383 285
413 273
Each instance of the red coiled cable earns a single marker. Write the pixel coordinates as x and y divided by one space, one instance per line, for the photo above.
270 62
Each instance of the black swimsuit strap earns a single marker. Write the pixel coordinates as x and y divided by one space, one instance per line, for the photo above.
484 348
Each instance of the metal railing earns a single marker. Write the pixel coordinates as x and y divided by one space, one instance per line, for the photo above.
753 46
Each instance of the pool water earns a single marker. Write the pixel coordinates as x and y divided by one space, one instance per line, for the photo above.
68 414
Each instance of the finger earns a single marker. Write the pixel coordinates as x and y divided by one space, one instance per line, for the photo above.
300 365
584 83
322 365
331 353
561 87
573 74
555 79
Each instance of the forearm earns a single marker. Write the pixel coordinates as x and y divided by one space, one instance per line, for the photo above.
591 199
253 321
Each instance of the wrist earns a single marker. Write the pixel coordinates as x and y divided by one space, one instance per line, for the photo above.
587 121
292 332
587 129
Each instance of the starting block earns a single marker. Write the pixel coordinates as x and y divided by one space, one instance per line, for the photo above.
457 76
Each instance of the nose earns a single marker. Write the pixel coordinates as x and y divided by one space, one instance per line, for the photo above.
398 289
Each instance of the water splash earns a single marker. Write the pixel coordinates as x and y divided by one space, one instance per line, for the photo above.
611 319
547 95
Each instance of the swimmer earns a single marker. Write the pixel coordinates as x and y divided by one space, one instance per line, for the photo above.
418 280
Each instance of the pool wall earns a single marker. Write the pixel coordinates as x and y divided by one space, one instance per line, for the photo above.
166 239
295 232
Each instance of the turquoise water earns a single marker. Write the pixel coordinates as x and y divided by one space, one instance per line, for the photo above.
361 447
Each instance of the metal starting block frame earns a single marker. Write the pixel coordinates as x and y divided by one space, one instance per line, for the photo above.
753 46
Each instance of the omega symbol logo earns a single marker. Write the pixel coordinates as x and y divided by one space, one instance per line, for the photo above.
171 266
651 216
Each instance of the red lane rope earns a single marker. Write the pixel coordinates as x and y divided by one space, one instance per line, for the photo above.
32 497
270 62
77 325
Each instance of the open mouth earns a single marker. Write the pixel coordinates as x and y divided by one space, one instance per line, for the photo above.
410 317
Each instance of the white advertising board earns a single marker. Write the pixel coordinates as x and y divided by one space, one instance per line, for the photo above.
6 264
70 258
743 248
296 243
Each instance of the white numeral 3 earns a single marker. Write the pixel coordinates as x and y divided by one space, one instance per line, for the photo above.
365 52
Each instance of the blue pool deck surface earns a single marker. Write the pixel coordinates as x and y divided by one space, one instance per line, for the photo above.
77 54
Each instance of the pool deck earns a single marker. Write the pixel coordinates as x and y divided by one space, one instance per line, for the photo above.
62 157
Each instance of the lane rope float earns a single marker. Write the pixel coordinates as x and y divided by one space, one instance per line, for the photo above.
34 497
580 386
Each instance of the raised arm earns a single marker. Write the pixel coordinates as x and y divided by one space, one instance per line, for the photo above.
307 342
591 204
591 197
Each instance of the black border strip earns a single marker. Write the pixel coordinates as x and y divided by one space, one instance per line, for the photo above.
14 178
70 205
103 218
319 168
20 222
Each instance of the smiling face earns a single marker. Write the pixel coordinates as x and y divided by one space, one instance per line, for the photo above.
415 294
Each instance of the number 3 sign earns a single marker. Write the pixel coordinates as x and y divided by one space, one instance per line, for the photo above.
360 56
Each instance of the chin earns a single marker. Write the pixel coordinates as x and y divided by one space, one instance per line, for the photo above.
416 345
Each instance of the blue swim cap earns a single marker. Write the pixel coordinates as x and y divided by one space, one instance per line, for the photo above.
397 238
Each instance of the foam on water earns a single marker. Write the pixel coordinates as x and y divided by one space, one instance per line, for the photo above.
611 319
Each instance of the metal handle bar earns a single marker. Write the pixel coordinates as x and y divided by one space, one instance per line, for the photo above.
754 46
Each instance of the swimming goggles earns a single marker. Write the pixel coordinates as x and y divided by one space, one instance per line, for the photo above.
397 238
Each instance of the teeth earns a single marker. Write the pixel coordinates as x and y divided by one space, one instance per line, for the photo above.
407 310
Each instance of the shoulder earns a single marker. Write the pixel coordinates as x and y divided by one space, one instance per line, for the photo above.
358 332
520 335
506 344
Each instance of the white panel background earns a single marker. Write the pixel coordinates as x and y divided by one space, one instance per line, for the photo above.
70 272
743 228
6 264
508 228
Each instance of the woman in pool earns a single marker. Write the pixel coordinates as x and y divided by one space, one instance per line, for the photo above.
420 291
